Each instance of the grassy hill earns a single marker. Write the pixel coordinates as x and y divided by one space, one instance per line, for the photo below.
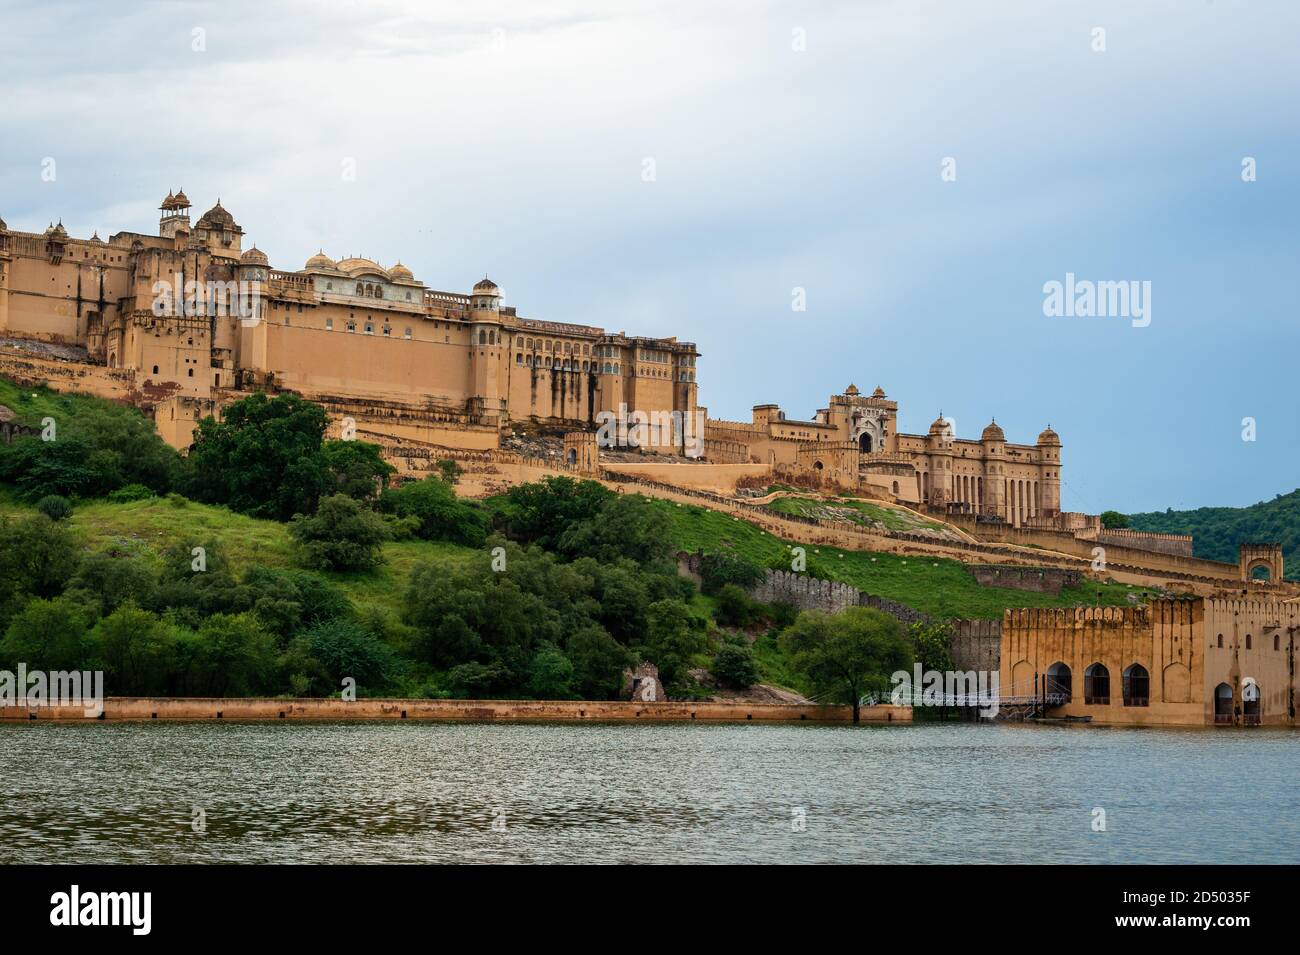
1217 531
147 528
940 588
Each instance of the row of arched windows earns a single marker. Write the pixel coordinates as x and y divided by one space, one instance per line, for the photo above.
565 364
1096 685
566 348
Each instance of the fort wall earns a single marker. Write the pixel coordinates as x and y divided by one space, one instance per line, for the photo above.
481 711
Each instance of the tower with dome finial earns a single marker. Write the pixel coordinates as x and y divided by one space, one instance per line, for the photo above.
175 219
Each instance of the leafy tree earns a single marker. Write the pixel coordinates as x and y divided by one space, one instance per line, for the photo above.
138 652
540 512
598 663
728 567
37 556
98 446
229 655
263 458
628 526
441 515
673 636
1113 519
345 649
475 680
844 654
550 675
106 581
47 635
734 665
342 535
931 645
358 468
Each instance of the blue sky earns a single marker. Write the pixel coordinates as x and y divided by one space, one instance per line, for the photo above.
511 138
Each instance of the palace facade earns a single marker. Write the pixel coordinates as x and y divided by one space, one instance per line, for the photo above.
855 442
195 319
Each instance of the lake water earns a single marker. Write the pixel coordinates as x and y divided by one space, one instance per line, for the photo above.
431 792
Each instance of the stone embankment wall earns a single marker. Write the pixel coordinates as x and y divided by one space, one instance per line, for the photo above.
831 596
1042 580
977 645
190 708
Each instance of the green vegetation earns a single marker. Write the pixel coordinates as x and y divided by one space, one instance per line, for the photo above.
1217 531
844 655
1113 520
942 588
301 568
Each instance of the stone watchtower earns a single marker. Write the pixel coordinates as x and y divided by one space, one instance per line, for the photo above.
1049 481
939 451
487 406
993 442
1253 557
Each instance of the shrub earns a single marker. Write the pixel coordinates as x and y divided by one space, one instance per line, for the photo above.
441 515
734 665
55 507
728 567
342 535
131 492
736 608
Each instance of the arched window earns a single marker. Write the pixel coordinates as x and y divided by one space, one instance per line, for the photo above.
519 358
352 327
155 369
519 341
407 334
1096 685
1247 641
1223 703
388 330
817 466
361 289
370 328
1137 685
1220 641
1058 684
482 336
190 372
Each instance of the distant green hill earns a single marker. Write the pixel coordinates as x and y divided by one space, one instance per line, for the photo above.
1217 531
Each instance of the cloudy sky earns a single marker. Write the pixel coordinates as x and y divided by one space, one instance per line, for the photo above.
680 167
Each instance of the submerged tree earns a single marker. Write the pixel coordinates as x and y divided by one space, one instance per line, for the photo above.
844 654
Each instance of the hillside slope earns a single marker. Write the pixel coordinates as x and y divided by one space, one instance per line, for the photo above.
1217 531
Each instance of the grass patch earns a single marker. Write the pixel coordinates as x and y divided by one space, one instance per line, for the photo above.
146 529
939 587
